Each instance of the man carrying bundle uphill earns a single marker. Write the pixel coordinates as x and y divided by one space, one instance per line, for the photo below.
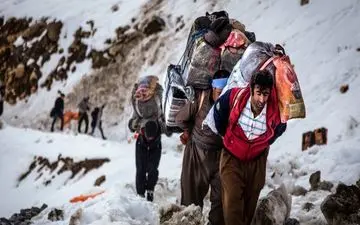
200 167
249 121
148 121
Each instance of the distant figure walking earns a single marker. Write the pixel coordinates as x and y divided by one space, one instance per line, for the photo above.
58 111
96 116
84 107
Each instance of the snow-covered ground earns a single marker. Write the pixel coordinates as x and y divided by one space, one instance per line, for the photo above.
322 40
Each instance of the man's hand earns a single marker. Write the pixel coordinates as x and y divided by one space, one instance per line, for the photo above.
184 137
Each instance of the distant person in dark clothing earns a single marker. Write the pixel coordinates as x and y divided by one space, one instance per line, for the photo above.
58 111
84 107
96 116
2 95
148 154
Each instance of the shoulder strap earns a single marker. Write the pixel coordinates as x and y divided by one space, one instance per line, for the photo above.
267 62
136 107
237 97
202 97
159 105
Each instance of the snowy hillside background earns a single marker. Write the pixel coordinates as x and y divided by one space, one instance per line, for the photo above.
321 38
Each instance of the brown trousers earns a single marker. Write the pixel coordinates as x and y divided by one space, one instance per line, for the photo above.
241 186
200 170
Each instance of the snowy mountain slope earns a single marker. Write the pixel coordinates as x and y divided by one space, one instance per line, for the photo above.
17 154
321 39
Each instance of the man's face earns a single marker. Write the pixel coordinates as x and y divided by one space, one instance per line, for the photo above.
259 98
216 93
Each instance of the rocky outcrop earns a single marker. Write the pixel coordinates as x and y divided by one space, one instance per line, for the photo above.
274 208
56 215
42 165
180 215
153 26
100 180
316 184
24 217
343 207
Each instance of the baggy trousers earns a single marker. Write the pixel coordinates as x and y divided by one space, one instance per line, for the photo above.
241 185
200 169
83 117
147 162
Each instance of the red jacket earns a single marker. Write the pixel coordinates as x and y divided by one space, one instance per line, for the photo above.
235 140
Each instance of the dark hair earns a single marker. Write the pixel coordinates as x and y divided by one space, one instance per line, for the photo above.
221 74
262 78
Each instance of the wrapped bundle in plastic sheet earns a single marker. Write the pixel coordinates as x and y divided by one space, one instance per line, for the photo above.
176 96
233 49
204 62
253 58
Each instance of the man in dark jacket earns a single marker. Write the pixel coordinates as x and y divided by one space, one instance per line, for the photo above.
200 167
96 115
84 107
58 112
249 121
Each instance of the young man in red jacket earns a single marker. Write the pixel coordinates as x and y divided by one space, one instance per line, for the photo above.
249 121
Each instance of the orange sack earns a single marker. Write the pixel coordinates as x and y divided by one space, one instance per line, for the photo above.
83 198
68 116
291 102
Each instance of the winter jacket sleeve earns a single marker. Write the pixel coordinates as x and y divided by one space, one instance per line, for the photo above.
222 112
279 130
186 116
134 122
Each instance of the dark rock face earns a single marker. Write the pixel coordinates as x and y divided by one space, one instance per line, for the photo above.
343 207
315 180
100 180
56 215
41 164
155 25
24 217
308 206
292 221
274 208
299 191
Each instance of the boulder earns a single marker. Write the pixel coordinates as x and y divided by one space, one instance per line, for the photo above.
326 185
343 207
155 25
308 206
56 215
54 30
190 215
315 180
274 208
299 191
292 221
304 2
19 71
34 31
344 88
100 180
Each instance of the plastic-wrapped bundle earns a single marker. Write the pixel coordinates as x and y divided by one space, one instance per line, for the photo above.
176 96
233 49
253 58
204 62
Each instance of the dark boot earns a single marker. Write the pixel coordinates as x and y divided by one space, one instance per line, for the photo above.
150 195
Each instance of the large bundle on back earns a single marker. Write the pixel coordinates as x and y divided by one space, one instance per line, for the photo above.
215 42
265 56
146 99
